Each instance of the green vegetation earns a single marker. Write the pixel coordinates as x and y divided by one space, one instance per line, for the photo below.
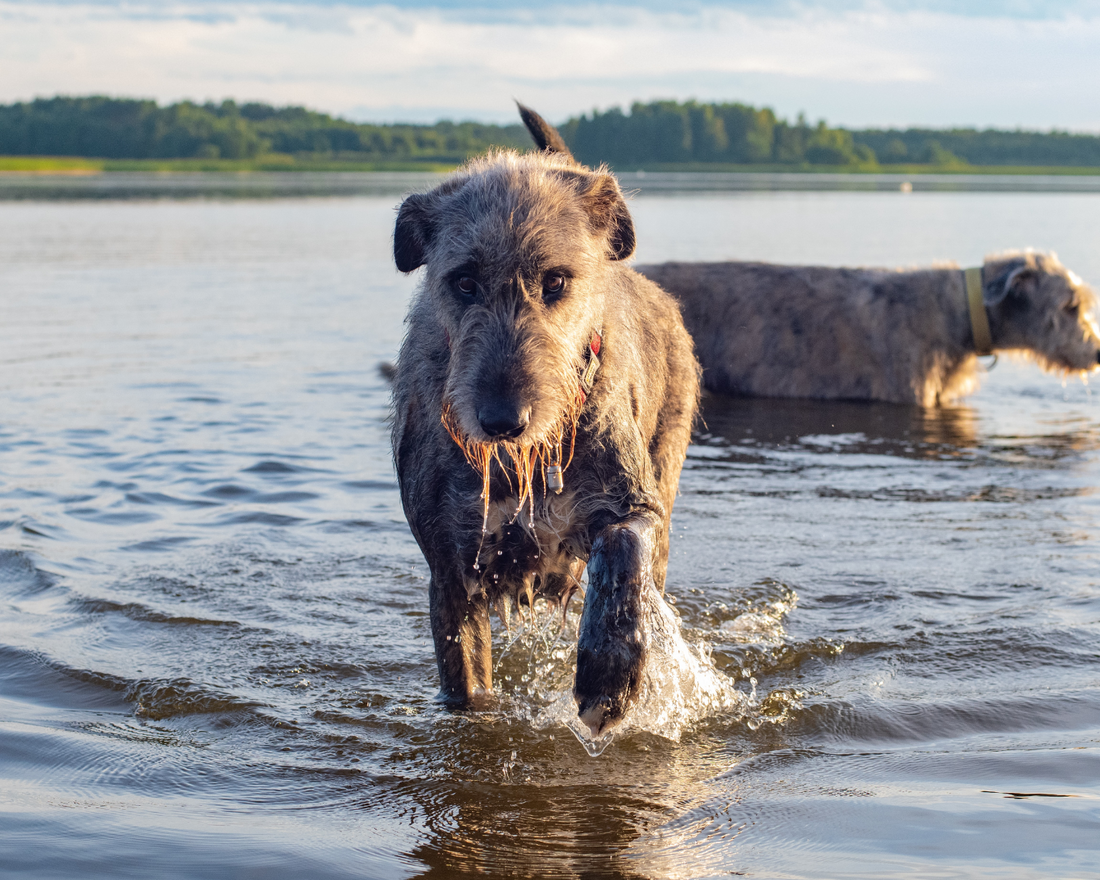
111 128
968 146
667 133
92 134
265 162
50 165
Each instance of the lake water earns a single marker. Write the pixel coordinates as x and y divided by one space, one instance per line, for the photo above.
215 657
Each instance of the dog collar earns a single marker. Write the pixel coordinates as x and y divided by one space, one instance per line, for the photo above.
555 477
979 320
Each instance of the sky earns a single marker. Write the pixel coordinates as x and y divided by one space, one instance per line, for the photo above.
857 63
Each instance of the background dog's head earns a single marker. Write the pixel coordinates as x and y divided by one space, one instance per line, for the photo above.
520 254
1038 306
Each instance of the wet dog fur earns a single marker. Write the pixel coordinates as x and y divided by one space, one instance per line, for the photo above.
522 262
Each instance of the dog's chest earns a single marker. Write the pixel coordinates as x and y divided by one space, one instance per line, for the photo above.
515 546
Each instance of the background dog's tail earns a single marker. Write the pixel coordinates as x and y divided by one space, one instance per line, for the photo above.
546 137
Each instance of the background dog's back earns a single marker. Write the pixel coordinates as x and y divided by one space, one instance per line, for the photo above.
769 330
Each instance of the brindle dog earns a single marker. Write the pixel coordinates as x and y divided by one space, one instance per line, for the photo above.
543 402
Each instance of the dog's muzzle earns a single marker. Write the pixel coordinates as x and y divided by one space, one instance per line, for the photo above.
503 420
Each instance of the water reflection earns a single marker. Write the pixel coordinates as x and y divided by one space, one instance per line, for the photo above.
557 815
282 184
212 185
746 426
845 426
532 832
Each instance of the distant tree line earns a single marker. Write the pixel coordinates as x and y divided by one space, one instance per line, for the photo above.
119 128
986 147
658 133
671 132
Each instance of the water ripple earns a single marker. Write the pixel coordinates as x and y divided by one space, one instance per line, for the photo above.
215 645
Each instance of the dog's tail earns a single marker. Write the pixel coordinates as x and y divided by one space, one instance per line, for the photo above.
546 137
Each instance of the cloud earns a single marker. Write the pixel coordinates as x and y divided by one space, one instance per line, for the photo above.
869 63
1019 9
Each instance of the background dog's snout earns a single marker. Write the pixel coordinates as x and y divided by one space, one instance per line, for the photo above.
503 418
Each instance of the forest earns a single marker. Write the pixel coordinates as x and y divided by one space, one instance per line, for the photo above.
670 133
654 135
120 128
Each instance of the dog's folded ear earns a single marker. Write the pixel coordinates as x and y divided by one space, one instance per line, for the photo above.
413 233
1021 280
546 137
608 213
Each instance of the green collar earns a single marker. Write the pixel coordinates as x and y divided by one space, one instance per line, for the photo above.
979 320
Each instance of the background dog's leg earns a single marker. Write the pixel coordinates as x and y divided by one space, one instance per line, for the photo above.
463 642
611 648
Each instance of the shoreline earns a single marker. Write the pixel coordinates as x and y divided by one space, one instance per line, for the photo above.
59 184
285 164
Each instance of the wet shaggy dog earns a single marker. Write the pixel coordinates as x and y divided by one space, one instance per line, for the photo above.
543 402
767 330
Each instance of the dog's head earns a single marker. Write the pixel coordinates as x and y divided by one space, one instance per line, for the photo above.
1037 305
520 255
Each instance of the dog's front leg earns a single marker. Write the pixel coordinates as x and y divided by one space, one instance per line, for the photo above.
611 649
463 643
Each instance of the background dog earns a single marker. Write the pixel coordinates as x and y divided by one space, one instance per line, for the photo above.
768 330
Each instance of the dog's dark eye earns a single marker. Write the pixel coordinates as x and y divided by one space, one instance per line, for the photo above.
553 286
466 287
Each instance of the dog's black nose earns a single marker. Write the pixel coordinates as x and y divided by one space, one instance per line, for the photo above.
503 419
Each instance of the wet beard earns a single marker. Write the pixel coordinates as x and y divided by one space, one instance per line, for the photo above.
521 462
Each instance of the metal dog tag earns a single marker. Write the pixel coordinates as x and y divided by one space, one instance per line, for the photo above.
588 378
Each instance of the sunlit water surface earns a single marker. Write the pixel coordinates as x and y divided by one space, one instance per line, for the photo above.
215 657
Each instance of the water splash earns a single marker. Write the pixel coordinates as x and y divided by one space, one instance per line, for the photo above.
760 622
680 684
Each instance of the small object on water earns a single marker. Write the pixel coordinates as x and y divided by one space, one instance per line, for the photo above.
554 480
906 186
